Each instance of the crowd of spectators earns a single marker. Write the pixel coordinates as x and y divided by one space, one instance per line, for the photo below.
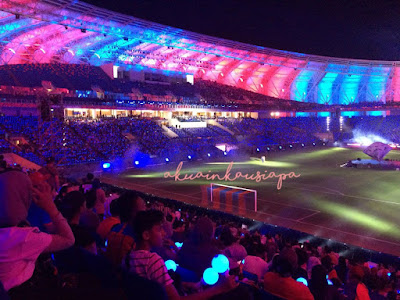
267 132
84 240
86 81
85 140
385 127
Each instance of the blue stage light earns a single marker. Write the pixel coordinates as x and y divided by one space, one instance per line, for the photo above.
189 157
208 154
225 153
268 149
220 263
106 165
170 265
302 145
280 147
258 149
210 276
167 159
141 160
302 280
313 144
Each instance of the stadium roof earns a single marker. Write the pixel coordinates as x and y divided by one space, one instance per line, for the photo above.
46 31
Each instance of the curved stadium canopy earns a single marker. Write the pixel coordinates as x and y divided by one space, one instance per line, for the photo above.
68 31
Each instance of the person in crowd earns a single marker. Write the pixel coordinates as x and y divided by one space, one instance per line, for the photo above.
326 261
355 288
199 249
51 174
20 244
334 256
61 194
80 266
108 223
312 262
380 289
256 263
100 198
120 239
179 231
88 218
110 197
169 249
72 207
302 259
342 270
230 245
319 287
147 227
87 182
279 281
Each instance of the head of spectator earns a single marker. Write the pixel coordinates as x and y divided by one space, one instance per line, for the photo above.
114 208
280 283
89 177
15 198
356 274
148 229
85 239
326 261
326 250
89 219
130 204
312 262
73 204
202 232
226 237
286 262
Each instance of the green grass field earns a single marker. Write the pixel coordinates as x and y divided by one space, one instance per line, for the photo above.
359 206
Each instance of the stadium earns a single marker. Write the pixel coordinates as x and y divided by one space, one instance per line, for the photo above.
275 151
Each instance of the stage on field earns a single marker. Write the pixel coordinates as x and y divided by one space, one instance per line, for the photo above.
355 206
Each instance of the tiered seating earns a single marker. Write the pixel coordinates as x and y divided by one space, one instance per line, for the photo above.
386 127
74 77
79 80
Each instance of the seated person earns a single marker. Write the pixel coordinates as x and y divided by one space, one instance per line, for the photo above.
148 231
20 244
120 239
198 251
279 281
80 261
108 223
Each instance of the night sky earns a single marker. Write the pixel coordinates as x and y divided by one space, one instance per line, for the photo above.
368 29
